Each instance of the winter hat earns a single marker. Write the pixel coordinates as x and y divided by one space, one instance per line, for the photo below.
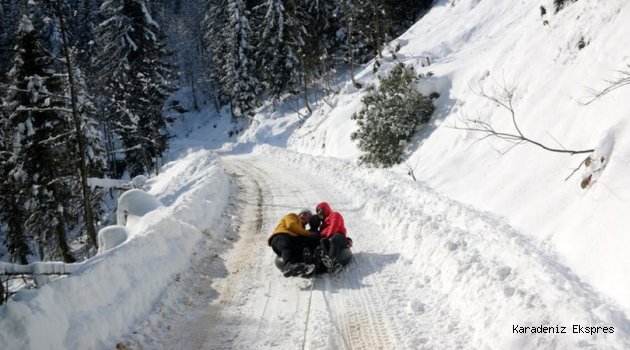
306 211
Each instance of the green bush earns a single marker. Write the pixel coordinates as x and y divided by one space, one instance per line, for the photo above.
389 117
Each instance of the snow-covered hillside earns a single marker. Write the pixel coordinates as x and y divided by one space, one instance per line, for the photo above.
491 236
474 45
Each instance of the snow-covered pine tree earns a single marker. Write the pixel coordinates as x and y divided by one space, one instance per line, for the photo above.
183 22
215 47
239 81
4 36
390 115
82 20
404 13
89 157
323 50
12 214
375 24
136 81
10 14
281 39
349 11
41 166
320 27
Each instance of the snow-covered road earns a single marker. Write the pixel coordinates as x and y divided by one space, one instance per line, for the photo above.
257 308
449 278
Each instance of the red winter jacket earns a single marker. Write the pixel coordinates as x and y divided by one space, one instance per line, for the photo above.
333 221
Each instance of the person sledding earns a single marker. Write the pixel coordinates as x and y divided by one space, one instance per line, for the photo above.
334 250
288 241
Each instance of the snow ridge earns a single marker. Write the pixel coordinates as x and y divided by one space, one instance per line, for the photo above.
494 277
112 291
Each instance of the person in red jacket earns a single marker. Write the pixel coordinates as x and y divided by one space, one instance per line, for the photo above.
333 233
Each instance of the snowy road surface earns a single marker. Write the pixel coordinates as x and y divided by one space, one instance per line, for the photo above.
450 278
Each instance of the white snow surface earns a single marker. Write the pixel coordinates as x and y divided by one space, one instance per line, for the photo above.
96 304
490 236
475 44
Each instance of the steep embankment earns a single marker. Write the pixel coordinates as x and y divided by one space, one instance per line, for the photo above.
551 63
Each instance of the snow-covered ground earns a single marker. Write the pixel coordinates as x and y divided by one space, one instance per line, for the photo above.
474 45
428 272
490 238
110 292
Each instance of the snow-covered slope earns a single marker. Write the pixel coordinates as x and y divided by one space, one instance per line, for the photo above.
562 259
484 44
97 303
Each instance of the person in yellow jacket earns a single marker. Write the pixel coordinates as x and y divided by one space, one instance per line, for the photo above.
289 239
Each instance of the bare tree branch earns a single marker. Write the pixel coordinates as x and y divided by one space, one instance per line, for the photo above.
410 171
504 98
587 159
613 84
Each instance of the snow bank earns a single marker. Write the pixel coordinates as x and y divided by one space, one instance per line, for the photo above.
107 294
553 62
484 269
110 237
134 204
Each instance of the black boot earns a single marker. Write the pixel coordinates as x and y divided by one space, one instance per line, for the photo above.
307 255
331 264
293 269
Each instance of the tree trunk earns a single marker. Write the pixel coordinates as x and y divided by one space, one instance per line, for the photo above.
85 189
1 293
308 106
63 243
303 76
349 44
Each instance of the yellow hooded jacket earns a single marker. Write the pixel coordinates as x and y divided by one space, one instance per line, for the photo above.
290 225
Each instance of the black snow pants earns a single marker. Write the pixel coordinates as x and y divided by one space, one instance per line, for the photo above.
334 245
287 247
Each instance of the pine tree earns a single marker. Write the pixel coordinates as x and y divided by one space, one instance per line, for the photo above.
239 81
183 21
10 14
40 163
390 116
89 160
216 48
12 215
279 46
3 40
136 78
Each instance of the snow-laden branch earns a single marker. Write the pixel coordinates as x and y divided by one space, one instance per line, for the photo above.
94 182
39 109
39 268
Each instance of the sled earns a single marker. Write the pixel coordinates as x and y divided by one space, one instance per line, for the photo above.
345 257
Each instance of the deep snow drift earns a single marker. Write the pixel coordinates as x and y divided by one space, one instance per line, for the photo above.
99 301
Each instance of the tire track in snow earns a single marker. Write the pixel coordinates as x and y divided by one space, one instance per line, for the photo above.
241 283
483 273
343 314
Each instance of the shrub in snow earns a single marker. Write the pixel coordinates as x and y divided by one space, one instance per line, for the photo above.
389 117
111 236
135 203
596 162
